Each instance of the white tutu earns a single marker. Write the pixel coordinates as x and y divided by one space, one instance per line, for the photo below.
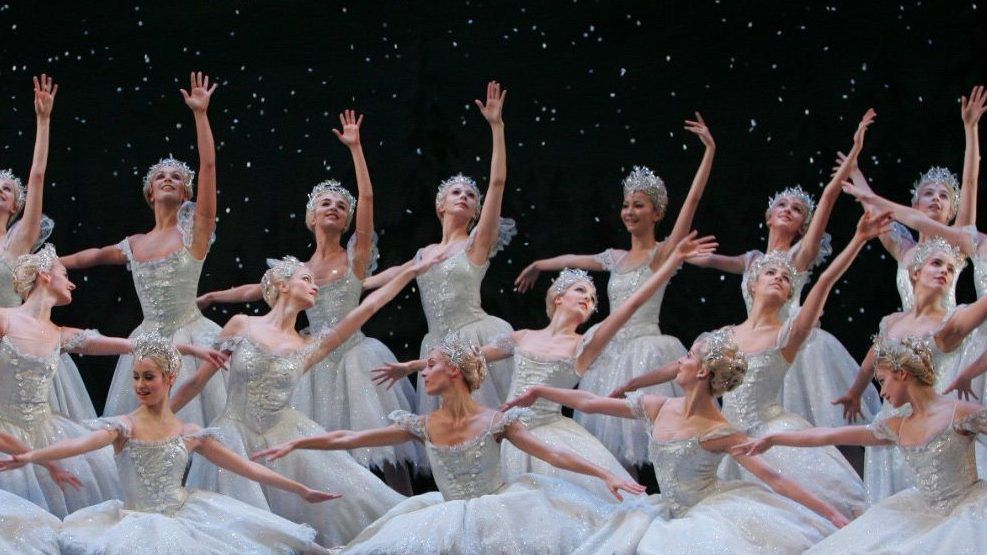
26 529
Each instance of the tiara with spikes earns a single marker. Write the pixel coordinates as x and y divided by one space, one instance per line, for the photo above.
942 176
331 186
642 179
717 344
21 190
278 269
799 194
896 351
188 175
46 257
458 179
773 258
457 349
567 277
932 245
152 344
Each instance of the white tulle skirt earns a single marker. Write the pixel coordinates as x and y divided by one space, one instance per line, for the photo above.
626 356
202 410
974 346
208 523
69 396
906 523
26 529
338 394
563 433
365 497
822 372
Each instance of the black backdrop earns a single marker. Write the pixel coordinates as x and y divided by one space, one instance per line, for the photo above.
595 87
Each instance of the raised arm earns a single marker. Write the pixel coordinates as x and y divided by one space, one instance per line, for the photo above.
970 109
339 439
350 136
528 276
688 247
379 279
868 227
488 227
683 223
960 324
565 459
241 294
809 249
192 387
197 98
577 399
224 458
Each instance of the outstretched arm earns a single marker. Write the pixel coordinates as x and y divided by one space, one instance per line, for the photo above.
488 227
565 459
188 390
963 384
812 437
657 376
109 255
868 227
339 439
197 98
62 449
688 247
851 399
577 399
27 233
528 276
729 264
350 136
242 294
970 109
963 321
683 223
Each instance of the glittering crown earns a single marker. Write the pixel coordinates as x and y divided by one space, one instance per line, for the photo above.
642 179
932 245
456 349
188 176
897 352
331 186
941 176
773 258
278 270
46 257
717 345
567 277
458 179
8 175
798 194
153 345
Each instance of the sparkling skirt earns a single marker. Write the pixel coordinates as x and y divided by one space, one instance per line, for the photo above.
26 529
69 396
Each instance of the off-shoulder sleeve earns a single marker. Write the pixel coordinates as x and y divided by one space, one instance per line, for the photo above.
975 423
120 424
785 333
635 401
882 430
45 227
901 237
374 253
124 247
504 343
227 344
213 432
749 258
78 340
186 224
506 230
512 415
606 259
412 423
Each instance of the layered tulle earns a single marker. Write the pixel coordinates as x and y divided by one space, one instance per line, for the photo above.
26 529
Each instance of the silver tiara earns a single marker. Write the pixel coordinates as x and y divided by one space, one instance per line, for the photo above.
152 344
942 176
773 258
331 186
46 258
797 193
458 179
188 175
457 349
717 344
932 245
567 277
278 270
21 190
642 179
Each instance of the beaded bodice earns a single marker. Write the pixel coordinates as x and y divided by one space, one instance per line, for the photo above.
531 369
469 469
336 299
980 275
261 383
26 383
685 471
945 466
450 292
755 400
622 284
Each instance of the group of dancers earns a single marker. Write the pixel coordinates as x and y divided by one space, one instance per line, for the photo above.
308 440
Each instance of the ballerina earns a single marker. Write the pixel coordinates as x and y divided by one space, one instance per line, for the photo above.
268 359
166 262
639 345
338 393
772 344
152 450
30 345
944 511
796 226
688 437
557 355
472 233
475 510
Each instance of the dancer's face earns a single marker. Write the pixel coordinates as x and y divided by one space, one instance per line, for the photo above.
638 213
300 287
168 184
438 373
460 200
151 385
788 214
690 368
892 384
59 284
580 298
937 273
934 200
9 193
773 281
331 212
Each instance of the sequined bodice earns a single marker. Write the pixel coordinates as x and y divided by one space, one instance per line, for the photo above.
755 400
529 370
8 296
450 293
336 299
167 289
645 320
26 383
686 473
261 382
980 275
151 474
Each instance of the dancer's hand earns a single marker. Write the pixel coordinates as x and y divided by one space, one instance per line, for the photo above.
423 265
12 463
973 107
199 93
493 109
274 453
963 386
620 392
699 128
851 406
391 373
203 301
62 478
690 246
840 160
350 122
616 484
872 225
317 496
837 519
525 399
44 96
205 354
865 122
527 278
752 447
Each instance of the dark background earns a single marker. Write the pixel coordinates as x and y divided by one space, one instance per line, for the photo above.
595 87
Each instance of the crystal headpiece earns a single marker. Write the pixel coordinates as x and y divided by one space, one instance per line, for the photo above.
46 257
800 195
188 176
773 258
153 345
718 344
932 245
278 270
567 277
331 186
21 191
458 179
642 179
896 352
456 349
941 176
